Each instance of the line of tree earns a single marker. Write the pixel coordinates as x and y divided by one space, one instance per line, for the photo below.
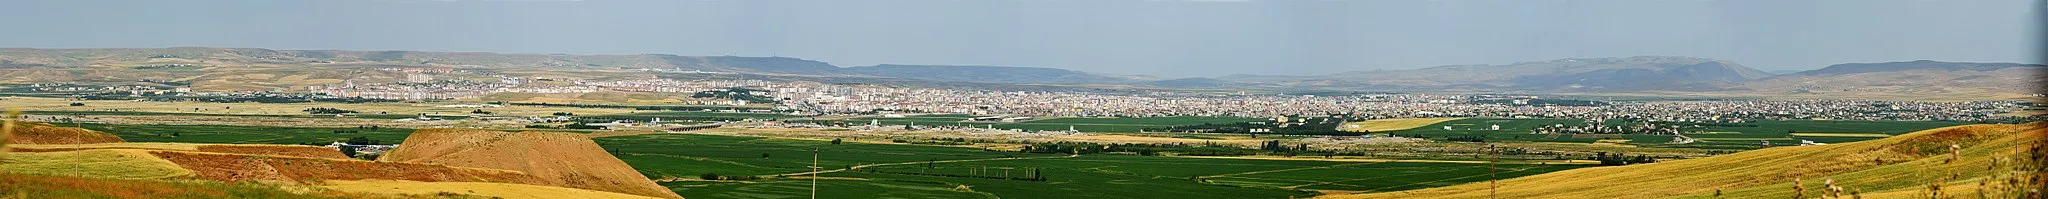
324 111
1033 175
1619 159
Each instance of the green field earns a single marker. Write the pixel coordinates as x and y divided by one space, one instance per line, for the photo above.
136 113
1746 136
1087 176
241 134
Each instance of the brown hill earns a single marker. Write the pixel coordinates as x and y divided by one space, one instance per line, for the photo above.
561 159
43 133
1987 160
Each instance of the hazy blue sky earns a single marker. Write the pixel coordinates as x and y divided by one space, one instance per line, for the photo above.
1173 38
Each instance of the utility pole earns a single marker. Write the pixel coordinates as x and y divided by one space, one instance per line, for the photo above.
814 173
1492 174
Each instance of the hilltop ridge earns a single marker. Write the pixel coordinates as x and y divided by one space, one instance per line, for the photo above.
1895 167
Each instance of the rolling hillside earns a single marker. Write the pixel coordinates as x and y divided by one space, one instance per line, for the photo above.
254 69
1991 162
559 159
289 68
1927 78
49 163
986 74
1583 74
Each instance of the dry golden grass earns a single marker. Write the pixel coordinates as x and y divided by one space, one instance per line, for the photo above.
102 163
1872 135
1901 163
7 131
244 149
24 186
39 133
1395 124
501 190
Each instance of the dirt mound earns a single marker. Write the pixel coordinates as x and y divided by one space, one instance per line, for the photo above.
239 168
42 133
281 150
1900 165
561 159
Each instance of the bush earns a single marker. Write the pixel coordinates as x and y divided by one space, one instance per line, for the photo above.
77 104
327 111
708 176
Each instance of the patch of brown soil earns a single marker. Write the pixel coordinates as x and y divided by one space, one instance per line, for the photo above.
560 159
41 133
281 150
240 168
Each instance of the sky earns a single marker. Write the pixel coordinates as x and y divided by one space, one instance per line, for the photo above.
1167 38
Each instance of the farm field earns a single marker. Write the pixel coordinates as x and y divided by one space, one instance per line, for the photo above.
137 113
1745 136
241 134
1394 124
925 171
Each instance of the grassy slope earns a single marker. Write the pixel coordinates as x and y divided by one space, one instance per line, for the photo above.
116 163
1901 166
36 186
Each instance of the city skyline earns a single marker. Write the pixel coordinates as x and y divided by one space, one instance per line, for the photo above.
1159 38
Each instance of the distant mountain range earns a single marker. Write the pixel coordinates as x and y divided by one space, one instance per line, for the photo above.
1584 75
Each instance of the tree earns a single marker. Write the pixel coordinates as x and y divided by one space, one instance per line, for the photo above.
349 151
764 155
77 104
835 141
359 140
708 176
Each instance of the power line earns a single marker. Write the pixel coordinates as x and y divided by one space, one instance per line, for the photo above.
814 173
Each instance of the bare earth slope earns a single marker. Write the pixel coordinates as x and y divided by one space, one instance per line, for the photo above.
1899 167
562 159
